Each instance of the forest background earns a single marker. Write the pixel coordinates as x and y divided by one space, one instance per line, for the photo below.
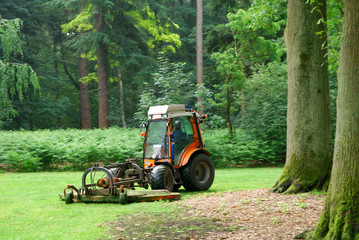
147 52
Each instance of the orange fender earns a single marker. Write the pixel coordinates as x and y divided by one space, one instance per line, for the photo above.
188 154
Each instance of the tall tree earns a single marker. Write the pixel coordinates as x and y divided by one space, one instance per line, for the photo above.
340 216
309 148
80 43
199 48
84 93
101 71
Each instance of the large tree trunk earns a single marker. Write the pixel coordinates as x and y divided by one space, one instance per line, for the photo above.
84 96
340 216
102 77
199 51
309 148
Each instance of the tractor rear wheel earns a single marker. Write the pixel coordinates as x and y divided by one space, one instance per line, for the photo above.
162 178
198 174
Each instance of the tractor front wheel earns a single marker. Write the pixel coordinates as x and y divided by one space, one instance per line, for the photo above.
198 174
162 178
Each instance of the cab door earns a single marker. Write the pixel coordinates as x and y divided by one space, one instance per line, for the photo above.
181 137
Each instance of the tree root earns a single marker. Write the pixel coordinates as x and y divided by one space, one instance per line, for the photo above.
292 183
307 234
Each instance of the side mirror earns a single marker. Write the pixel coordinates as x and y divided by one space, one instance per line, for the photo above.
203 117
143 127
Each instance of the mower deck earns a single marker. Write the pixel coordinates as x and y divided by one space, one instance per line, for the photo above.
123 196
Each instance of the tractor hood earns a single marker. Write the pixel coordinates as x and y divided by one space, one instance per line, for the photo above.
169 111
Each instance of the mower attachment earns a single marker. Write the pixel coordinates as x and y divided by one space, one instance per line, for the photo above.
115 184
123 196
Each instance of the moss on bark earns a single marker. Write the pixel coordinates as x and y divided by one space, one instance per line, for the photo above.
339 220
301 176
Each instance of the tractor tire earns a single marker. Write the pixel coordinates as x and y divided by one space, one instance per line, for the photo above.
162 178
198 174
123 198
68 198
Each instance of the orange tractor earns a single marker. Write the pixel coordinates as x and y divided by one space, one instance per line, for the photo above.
173 155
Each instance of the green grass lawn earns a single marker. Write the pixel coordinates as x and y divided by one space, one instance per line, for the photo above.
30 207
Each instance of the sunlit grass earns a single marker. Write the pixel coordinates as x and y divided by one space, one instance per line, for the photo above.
30 207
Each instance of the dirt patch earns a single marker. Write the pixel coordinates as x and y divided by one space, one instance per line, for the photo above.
257 214
164 226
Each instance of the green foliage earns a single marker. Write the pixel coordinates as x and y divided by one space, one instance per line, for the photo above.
171 86
10 39
209 106
22 162
333 28
240 149
80 22
67 149
15 77
261 133
253 32
266 107
71 149
147 20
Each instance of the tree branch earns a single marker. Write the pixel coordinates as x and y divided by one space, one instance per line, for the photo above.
74 82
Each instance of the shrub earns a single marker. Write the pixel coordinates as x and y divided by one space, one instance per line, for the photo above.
71 149
22 162
67 149
238 150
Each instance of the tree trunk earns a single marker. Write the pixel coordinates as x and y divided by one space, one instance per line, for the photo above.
84 96
102 77
122 105
57 91
309 148
243 102
228 107
199 51
340 216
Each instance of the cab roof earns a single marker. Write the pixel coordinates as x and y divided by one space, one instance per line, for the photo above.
169 111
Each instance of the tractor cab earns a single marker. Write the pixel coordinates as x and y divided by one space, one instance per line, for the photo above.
172 135
173 149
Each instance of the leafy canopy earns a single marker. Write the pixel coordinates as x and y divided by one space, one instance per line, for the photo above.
15 77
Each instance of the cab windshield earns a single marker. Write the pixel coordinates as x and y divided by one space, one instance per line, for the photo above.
156 146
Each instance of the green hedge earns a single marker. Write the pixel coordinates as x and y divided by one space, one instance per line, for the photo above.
241 149
71 149
67 149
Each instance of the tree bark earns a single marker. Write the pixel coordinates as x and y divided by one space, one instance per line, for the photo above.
122 105
309 148
199 51
228 107
340 216
84 96
102 76
57 91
